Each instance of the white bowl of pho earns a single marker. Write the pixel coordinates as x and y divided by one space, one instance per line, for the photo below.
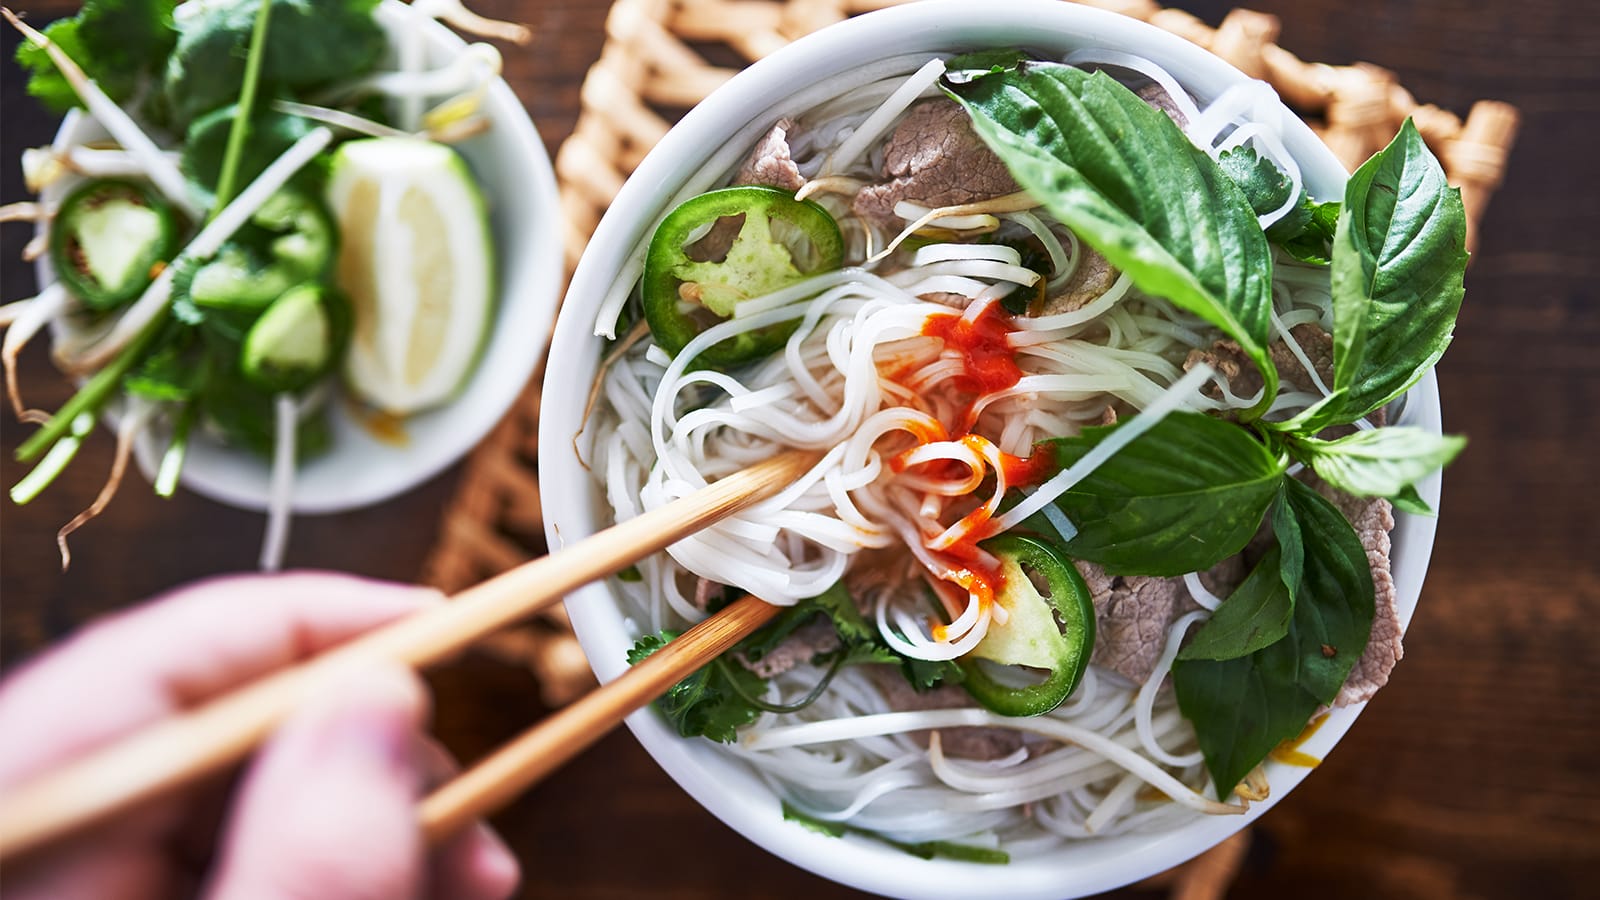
1107 539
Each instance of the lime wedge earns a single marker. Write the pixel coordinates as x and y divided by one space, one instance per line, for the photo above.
416 259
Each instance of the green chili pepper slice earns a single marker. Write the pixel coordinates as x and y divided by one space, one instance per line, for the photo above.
291 239
297 340
721 248
1050 629
108 240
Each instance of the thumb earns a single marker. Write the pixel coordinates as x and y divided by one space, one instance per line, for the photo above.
328 810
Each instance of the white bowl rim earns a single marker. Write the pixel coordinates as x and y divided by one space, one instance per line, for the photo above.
525 309
721 784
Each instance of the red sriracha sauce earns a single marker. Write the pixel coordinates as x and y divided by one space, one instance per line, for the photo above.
982 344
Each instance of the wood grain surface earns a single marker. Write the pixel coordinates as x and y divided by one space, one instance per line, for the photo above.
1471 775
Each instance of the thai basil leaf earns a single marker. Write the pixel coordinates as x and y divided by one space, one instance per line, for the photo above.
1242 708
1128 182
1255 615
1333 613
1180 498
1398 260
1381 462
1409 500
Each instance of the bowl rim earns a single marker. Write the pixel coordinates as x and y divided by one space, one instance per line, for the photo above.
524 307
749 102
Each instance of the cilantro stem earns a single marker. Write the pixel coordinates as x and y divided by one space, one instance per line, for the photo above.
247 100
172 460
61 453
94 394
796 706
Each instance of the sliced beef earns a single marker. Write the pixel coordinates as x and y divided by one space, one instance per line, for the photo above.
1094 276
1157 97
804 645
1228 358
1134 613
946 298
770 163
933 158
967 743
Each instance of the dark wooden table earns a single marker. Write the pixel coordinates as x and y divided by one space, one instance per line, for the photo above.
1473 773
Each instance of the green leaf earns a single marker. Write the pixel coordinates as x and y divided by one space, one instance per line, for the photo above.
1314 242
1398 260
1409 500
1380 462
1129 183
174 372
44 81
116 43
922 850
708 702
1266 187
1180 498
311 43
1255 615
793 813
1242 708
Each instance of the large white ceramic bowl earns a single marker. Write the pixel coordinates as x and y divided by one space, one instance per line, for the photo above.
574 507
366 466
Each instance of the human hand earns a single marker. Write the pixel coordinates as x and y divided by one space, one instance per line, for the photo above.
327 809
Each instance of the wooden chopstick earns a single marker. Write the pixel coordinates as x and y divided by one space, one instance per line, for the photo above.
547 746
189 746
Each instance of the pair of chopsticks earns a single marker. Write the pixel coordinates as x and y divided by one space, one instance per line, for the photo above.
182 749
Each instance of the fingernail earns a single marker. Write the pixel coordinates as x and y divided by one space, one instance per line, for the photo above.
500 866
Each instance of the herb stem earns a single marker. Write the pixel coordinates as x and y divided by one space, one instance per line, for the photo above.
796 706
172 460
247 99
95 393
54 462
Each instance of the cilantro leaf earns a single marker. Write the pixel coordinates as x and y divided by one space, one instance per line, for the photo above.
116 43
311 43
708 703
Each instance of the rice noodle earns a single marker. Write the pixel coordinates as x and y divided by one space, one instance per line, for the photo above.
276 539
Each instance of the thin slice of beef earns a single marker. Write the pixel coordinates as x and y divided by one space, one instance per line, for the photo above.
805 644
933 158
1228 357
967 743
1094 276
1157 97
1134 613
770 163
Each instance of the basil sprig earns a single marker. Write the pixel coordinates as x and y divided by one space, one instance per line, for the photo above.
1192 490
1129 183
1181 498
